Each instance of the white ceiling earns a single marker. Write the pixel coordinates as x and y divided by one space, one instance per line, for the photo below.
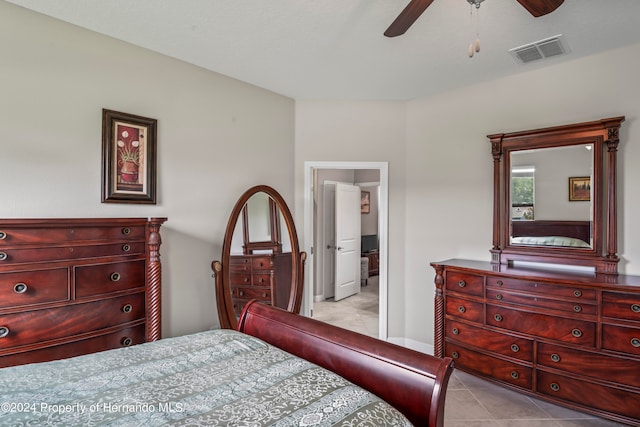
335 49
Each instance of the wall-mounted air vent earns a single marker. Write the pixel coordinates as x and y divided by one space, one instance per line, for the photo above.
541 49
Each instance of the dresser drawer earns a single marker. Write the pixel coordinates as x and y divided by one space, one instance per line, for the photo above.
29 327
262 263
249 293
499 369
597 365
240 278
106 278
466 283
570 292
496 342
57 253
239 264
25 235
542 325
464 309
621 338
260 279
535 300
621 305
33 287
121 338
592 395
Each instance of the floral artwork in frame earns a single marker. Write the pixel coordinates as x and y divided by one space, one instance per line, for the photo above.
128 158
580 189
365 202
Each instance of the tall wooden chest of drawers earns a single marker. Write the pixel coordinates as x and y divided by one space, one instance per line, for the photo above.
265 277
571 338
76 286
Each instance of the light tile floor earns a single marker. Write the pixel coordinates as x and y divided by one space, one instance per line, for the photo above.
471 401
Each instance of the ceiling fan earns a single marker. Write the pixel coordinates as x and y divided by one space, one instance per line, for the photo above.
415 8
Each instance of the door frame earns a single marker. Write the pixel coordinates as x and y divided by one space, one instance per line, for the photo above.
383 230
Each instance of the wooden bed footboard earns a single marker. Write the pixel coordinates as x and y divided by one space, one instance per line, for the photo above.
414 383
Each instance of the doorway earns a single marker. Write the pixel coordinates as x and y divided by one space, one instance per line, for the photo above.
311 232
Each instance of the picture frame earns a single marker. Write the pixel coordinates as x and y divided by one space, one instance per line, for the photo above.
365 202
580 189
128 158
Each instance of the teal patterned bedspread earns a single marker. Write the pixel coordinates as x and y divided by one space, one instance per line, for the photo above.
213 378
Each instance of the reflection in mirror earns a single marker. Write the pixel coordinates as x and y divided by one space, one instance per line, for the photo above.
260 257
543 211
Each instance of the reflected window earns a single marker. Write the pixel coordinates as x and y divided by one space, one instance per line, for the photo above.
522 192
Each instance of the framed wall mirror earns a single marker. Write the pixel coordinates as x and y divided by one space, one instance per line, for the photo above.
555 195
260 257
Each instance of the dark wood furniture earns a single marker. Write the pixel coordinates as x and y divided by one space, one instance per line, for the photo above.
575 229
412 382
266 268
374 262
75 286
603 137
265 277
567 337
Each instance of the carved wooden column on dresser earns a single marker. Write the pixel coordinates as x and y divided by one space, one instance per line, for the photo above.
572 338
76 286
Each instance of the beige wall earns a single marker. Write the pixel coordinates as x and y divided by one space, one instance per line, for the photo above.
216 137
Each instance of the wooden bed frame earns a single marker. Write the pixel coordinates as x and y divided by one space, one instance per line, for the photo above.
576 229
414 383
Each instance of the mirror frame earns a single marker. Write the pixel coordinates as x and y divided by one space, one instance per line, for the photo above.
226 313
604 135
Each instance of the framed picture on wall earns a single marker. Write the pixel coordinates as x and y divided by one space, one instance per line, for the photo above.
580 189
365 202
128 158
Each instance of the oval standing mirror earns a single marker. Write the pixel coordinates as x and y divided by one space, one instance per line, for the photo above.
555 195
260 257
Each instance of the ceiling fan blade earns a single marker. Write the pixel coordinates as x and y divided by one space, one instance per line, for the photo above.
540 7
407 17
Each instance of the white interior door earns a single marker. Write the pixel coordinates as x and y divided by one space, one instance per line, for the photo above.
328 245
347 254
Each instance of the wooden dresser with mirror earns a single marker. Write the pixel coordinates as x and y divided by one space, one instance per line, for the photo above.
549 315
260 257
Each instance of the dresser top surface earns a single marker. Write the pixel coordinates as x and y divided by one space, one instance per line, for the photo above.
537 273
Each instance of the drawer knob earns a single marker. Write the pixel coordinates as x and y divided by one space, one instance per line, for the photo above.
498 317
499 283
555 357
577 293
241 293
3 235
515 348
499 297
4 331
554 386
3 256
246 280
577 308
20 288
635 342
576 333
462 283
461 309
127 308
126 248
455 331
635 308
264 295
514 375
455 355
126 231
115 277
126 341
261 280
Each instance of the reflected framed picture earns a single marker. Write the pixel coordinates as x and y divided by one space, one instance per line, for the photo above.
365 202
580 189
128 158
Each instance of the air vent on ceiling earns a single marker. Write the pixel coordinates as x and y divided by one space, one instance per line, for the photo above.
546 48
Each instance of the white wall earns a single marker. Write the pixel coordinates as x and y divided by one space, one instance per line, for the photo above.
216 137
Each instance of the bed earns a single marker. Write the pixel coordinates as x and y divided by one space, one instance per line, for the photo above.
551 233
277 369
